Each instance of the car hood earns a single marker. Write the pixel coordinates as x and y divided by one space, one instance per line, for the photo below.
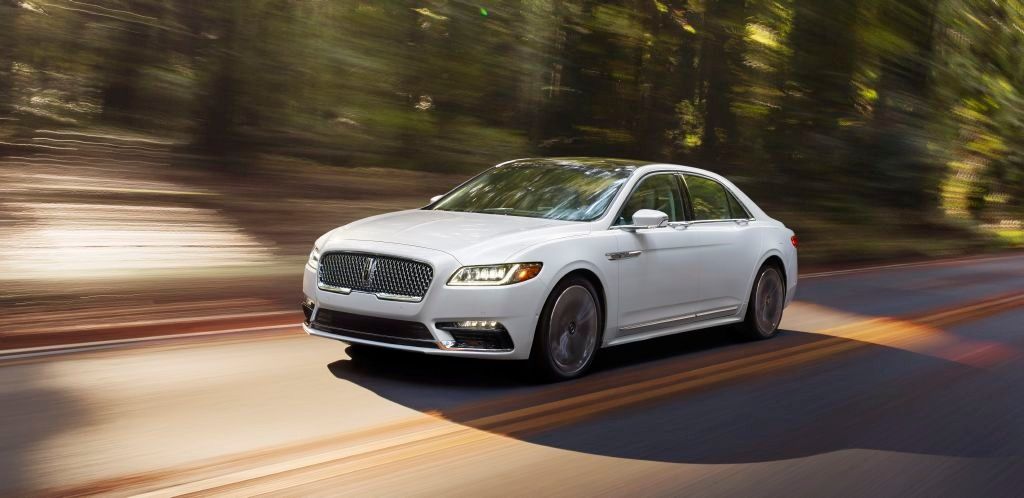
472 238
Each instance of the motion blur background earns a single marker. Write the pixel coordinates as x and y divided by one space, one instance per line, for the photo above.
168 160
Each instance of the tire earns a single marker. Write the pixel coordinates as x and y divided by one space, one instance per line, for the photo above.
767 300
568 333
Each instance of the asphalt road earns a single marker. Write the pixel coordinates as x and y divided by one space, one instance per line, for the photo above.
893 382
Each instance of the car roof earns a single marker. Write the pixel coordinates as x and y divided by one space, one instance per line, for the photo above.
637 168
606 163
602 163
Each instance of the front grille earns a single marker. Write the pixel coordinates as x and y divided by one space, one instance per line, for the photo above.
373 328
381 275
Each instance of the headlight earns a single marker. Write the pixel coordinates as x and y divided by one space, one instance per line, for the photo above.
314 258
511 273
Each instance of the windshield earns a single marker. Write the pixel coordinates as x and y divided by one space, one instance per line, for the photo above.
570 192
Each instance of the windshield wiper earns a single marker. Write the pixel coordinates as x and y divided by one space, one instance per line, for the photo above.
502 210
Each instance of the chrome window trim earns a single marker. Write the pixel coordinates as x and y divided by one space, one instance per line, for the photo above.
618 214
727 191
685 224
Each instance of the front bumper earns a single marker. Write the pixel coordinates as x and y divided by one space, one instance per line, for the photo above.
515 307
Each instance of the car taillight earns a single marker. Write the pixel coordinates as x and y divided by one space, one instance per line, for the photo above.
795 241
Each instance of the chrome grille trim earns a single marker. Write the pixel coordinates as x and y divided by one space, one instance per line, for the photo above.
387 277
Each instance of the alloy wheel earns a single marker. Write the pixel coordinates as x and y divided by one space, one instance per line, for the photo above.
769 299
573 330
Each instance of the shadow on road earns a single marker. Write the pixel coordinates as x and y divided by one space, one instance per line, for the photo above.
865 396
33 413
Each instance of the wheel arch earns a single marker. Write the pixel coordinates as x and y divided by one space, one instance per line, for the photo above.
540 356
776 260
773 257
592 273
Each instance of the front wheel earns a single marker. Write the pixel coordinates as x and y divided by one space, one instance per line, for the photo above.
569 331
767 299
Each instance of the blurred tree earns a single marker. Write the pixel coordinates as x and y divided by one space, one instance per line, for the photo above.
900 161
809 140
219 108
663 75
718 67
982 76
892 100
8 49
132 50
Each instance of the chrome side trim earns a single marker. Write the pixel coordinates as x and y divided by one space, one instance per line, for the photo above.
380 295
383 343
330 288
704 315
679 320
398 297
615 256
447 346
664 321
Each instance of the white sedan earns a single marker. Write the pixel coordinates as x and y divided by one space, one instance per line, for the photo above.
550 260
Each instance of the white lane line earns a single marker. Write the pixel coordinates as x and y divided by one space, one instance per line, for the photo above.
919 264
23 353
153 323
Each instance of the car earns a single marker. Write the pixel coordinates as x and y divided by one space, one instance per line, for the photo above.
551 259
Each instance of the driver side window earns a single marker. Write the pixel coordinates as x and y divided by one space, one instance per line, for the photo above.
659 192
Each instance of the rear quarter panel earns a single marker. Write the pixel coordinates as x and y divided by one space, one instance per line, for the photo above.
777 241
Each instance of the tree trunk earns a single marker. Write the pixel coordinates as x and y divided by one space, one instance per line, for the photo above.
902 164
8 21
719 58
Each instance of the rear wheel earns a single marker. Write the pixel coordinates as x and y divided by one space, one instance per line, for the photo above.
767 299
569 331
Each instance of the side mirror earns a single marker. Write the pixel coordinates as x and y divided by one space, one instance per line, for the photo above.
436 198
646 218
650 218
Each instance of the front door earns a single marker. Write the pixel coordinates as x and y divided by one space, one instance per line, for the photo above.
658 278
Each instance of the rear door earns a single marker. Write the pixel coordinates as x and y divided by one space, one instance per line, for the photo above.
726 246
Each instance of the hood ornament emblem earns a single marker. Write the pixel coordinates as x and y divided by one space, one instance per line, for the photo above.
369 268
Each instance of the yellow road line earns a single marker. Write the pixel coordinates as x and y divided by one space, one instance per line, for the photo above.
524 421
424 437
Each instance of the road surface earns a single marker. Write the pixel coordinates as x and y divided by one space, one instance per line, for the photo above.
888 382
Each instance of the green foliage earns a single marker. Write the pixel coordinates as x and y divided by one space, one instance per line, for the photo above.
913 105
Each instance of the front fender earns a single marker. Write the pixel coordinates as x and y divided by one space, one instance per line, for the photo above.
587 253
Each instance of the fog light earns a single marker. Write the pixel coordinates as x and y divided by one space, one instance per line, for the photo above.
307 309
476 324
478 335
